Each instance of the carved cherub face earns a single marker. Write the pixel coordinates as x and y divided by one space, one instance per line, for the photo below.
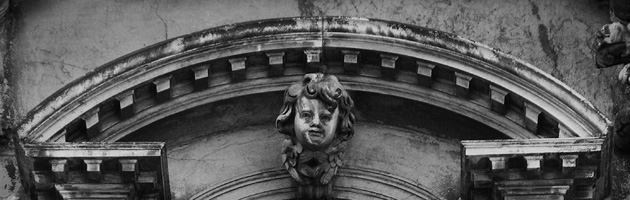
315 123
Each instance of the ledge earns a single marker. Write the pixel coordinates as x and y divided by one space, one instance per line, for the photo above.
532 146
93 149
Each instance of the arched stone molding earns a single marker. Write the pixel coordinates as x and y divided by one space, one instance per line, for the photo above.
467 63
351 183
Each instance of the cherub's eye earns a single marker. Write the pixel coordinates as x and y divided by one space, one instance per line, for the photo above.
325 118
305 115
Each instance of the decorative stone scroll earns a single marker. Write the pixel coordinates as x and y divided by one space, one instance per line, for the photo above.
317 120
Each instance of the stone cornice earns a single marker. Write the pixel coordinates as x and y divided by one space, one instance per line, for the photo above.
47 120
532 146
62 150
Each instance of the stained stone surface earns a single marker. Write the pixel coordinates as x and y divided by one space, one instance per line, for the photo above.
56 42
208 161
214 143
9 177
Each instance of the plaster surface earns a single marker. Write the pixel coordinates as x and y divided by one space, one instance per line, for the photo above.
208 161
57 42
214 143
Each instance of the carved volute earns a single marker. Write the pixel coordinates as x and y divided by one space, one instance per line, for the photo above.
317 120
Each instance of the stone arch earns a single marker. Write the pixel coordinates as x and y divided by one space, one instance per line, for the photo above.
217 63
367 55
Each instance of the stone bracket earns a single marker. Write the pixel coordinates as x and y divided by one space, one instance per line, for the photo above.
425 73
388 66
201 76
462 81
238 68
313 61
276 64
162 87
532 112
498 94
126 103
92 125
350 61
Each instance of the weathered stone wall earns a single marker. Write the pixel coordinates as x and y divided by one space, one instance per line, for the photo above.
206 162
217 142
9 175
56 42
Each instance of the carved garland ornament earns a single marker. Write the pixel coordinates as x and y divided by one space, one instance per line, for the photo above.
317 120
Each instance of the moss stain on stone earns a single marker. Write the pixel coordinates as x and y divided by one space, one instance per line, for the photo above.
11 171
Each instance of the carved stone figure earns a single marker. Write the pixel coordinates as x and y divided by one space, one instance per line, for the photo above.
317 120
612 47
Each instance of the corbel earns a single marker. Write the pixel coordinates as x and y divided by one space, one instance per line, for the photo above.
238 68
425 73
276 64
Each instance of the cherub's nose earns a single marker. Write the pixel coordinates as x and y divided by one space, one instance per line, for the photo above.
315 121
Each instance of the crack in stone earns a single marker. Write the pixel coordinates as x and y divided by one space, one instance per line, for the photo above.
548 48
162 19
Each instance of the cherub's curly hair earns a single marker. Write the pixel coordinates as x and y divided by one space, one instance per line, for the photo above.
318 86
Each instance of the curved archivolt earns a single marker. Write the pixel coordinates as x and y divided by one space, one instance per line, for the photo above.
350 183
265 56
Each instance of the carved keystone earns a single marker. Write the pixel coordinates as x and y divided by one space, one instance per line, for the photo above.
497 95
313 61
425 73
531 114
302 155
162 88
126 103
350 61
462 81
91 122
201 76
129 170
276 64
238 68
498 163
388 66
533 162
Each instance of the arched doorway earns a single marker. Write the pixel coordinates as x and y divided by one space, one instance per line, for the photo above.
415 86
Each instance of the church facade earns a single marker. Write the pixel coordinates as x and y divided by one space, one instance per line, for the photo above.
423 103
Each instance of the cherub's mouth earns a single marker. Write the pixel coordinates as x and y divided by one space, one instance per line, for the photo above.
318 134
315 136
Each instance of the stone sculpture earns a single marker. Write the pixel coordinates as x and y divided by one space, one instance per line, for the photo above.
612 43
317 120
612 47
